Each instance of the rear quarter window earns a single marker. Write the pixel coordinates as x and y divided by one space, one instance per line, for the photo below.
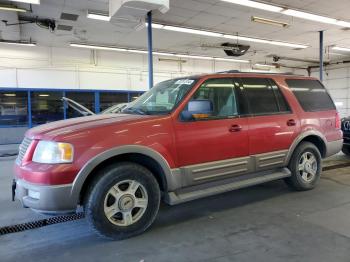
311 94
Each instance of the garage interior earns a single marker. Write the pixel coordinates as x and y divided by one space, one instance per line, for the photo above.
101 53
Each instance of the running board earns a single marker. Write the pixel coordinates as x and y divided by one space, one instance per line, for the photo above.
200 191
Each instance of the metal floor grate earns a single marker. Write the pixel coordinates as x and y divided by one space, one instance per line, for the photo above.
39 223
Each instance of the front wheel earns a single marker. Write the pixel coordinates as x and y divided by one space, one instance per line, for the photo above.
123 201
305 166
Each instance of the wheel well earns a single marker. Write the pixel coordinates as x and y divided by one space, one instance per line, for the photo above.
318 142
143 160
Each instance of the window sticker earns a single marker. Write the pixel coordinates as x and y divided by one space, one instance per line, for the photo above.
184 82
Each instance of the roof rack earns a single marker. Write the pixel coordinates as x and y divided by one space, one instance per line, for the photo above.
263 73
229 72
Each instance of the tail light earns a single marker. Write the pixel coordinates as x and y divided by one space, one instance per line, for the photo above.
337 121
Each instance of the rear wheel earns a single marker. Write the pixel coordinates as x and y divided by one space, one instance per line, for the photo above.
305 166
346 150
123 201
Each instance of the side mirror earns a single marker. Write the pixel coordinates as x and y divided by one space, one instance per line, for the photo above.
197 109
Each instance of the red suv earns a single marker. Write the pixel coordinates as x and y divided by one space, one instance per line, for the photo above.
184 139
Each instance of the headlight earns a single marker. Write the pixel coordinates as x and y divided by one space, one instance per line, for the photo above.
49 152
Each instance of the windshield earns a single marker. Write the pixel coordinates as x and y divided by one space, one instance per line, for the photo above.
162 98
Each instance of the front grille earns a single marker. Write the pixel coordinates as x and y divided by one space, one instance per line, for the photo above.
23 149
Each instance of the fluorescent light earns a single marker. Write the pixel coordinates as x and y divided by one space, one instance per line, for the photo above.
191 31
345 49
98 16
231 60
265 41
138 51
235 37
21 43
98 47
269 21
9 94
343 23
290 12
308 16
157 26
257 5
44 95
35 2
12 8
265 65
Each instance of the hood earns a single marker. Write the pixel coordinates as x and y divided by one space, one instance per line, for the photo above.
80 124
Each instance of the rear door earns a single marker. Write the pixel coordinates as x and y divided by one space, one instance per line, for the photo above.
272 124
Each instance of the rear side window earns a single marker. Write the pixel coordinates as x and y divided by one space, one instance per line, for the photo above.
264 97
311 95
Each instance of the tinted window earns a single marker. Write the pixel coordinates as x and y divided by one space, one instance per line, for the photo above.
46 107
311 94
215 98
281 101
13 108
261 96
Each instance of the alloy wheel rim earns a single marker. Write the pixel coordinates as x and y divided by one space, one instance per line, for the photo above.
125 203
307 166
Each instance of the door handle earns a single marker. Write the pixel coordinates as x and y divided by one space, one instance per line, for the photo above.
235 128
291 122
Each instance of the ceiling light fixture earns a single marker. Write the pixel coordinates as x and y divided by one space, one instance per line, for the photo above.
308 16
265 65
21 43
269 21
258 5
98 15
35 2
235 37
10 95
138 51
338 48
12 8
290 12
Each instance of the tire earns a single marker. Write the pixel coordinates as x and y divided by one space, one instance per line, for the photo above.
308 156
346 150
129 194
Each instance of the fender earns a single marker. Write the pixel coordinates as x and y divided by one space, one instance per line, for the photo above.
300 138
172 176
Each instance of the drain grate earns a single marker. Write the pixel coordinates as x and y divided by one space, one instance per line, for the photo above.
39 223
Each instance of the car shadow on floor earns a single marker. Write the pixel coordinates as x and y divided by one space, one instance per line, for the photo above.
172 215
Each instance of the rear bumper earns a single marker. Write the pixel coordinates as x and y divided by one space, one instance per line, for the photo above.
46 199
333 147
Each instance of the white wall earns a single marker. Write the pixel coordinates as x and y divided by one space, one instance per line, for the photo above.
337 82
73 68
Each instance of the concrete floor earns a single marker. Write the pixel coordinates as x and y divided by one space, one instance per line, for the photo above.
263 223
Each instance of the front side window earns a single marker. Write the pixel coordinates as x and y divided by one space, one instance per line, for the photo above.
214 99
263 98
162 98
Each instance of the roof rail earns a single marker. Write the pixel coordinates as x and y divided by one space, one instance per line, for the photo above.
262 73
229 72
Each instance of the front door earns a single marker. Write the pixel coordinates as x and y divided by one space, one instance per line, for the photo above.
211 137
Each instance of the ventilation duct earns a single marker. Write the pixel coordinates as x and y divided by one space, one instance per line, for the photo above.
136 9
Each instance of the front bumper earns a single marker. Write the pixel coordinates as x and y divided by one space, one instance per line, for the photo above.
46 199
333 147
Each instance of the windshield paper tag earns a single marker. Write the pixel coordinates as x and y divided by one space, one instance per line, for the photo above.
184 82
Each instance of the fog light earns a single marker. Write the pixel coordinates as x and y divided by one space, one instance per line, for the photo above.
33 194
